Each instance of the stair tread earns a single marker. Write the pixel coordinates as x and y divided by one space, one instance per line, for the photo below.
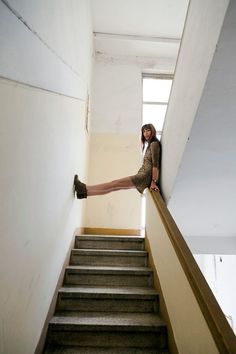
110 319
111 237
107 290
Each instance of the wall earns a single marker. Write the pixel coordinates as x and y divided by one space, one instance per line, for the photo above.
191 332
202 28
203 200
113 156
115 143
44 44
219 273
43 143
116 120
203 195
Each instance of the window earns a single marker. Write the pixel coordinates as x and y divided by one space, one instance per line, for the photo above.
156 92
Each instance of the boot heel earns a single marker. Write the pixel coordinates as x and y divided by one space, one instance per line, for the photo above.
80 188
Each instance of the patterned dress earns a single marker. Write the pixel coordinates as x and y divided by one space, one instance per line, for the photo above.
151 159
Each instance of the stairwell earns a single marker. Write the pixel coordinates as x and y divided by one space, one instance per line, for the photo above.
107 303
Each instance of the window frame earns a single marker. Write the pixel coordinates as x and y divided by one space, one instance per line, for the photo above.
156 103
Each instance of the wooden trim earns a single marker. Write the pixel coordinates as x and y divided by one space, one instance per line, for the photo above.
79 231
107 231
41 343
162 305
221 331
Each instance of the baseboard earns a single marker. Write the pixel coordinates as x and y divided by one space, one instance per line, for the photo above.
108 231
41 343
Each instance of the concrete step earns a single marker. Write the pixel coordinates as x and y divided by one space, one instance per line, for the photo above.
108 257
110 242
109 350
97 299
108 330
108 276
107 303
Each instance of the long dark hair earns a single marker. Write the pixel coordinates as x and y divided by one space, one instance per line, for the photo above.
153 136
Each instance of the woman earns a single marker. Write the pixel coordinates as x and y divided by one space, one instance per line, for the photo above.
147 175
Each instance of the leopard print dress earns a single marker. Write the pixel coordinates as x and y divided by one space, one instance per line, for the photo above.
151 159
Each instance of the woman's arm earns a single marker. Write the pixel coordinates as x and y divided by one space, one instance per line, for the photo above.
155 174
155 151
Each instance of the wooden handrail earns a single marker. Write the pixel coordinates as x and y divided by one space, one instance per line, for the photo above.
221 331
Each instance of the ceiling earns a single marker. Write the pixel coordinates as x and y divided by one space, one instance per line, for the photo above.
138 28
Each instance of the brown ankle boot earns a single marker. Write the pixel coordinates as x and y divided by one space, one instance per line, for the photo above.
80 188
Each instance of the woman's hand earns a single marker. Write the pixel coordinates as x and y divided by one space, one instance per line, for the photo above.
154 187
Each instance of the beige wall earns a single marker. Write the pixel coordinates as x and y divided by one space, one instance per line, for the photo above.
115 143
190 329
43 143
114 156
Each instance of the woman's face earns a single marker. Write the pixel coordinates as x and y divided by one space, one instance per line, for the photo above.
147 133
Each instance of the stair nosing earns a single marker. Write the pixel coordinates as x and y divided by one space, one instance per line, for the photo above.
108 269
112 320
108 252
94 293
110 238
110 290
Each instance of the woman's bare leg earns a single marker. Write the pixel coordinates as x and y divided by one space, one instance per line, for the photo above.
104 188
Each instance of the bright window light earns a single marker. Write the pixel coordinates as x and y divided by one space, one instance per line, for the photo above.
152 112
156 92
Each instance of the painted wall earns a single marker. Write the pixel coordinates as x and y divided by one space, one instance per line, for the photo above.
115 143
206 181
191 332
114 156
202 28
43 143
218 270
116 120
44 44
203 198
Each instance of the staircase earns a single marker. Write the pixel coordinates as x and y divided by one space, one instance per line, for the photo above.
107 303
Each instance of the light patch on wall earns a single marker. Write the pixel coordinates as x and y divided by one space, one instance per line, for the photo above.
87 114
113 156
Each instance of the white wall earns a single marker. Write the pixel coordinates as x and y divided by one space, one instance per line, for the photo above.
219 271
201 32
116 98
43 44
43 143
203 199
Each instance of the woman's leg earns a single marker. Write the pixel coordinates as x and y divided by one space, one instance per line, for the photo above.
104 188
